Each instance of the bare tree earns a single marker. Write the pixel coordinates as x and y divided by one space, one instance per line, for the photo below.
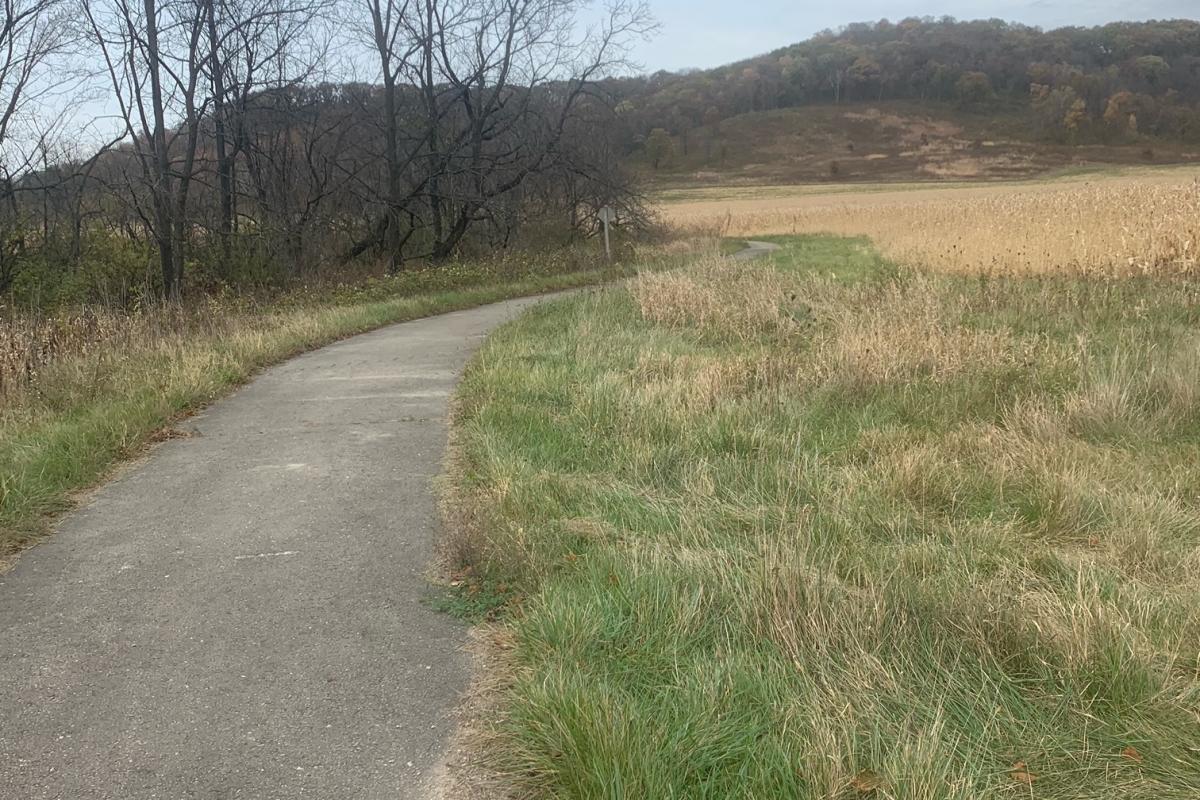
152 57
476 98
231 134
31 33
588 174
518 74
394 51
253 47
297 171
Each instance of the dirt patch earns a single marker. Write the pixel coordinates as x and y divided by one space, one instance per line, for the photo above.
955 168
464 773
911 130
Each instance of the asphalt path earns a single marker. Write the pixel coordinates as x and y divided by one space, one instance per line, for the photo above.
240 614
754 249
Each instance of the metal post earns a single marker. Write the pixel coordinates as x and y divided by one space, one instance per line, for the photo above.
606 215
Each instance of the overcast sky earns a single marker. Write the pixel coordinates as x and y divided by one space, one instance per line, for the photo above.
708 33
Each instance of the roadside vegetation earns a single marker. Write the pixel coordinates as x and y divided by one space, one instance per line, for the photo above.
827 527
80 391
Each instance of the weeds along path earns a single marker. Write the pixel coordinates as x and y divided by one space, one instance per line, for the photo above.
240 614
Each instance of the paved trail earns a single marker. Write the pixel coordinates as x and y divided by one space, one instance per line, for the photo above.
754 250
240 615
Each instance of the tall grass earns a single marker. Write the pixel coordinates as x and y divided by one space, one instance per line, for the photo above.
855 532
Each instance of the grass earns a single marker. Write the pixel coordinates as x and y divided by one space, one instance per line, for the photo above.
828 528
84 392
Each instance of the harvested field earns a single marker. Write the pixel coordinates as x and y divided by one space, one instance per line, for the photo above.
1144 222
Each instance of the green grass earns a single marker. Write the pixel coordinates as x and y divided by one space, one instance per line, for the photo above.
85 413
850 260
820 528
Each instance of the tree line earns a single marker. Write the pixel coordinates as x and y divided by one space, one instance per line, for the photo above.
230 140
1105 83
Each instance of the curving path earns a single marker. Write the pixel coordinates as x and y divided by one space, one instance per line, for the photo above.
239 615
754 249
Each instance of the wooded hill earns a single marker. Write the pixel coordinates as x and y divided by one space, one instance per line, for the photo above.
1118 88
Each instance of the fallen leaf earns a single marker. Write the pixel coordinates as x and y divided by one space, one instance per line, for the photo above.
1021 774
1132 754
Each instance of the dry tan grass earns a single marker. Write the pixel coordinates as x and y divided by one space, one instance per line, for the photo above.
30 344
870 335
776 513
1146 223
738 300
33 342
879 334
691 384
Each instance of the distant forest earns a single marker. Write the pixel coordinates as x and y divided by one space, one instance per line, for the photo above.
1109 83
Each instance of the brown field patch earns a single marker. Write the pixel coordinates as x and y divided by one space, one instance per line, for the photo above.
1137 223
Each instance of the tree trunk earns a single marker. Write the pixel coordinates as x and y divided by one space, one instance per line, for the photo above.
162 163
431 114
392 241
224 167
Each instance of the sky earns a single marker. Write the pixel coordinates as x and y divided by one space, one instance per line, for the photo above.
708 33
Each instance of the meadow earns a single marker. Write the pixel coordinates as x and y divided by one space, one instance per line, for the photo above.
835 527
1138 222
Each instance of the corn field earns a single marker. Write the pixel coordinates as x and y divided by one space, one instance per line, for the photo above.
1115 226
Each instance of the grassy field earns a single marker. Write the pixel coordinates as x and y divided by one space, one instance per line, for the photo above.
1136 221
826 527
82 391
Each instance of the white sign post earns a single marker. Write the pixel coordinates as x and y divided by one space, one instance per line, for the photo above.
607 215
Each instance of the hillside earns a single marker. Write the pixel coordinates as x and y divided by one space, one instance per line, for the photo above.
924 98
898 140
